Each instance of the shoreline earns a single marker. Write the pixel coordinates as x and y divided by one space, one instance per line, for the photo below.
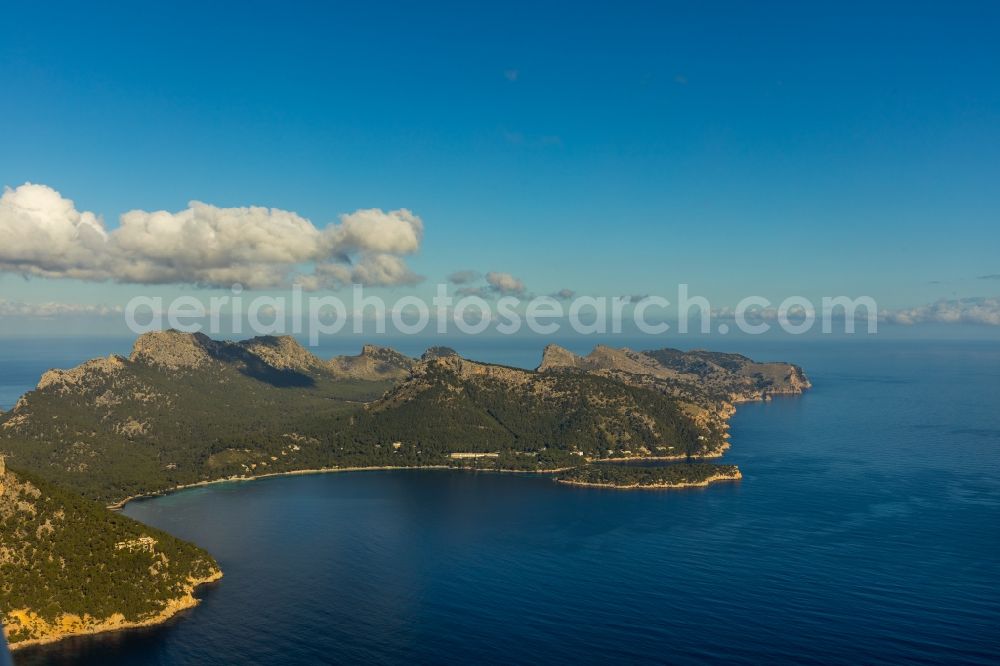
109 625
727 414
119 505
654 486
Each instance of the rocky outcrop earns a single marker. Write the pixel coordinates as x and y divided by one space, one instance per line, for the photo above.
173 350
437 352
555 357
713 376
373 364
283 353
63 381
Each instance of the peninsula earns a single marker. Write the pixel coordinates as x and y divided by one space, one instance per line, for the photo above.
183 410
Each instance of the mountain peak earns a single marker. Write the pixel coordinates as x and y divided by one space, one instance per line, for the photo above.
282 352
373 363
555 356
174 350
438 352
65 380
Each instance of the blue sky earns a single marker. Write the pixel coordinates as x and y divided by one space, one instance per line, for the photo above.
608 148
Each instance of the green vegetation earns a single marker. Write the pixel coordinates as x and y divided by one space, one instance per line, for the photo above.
184 409
534 420
649 476
146 428
62 554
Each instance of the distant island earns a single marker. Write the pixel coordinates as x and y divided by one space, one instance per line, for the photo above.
183 409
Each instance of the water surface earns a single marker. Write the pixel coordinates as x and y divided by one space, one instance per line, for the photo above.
866 529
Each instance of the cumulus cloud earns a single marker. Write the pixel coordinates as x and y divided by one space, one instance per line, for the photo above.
504 283
381 270
564 294
496 283
464 277
767 314
957 311
373 230
482 292
51 310
46 236
43 234
984 311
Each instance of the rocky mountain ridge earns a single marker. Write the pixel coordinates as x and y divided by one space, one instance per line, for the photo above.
173 350
184 409
707 384
739 376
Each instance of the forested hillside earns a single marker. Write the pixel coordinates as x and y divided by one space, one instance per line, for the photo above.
68 565
182 409
185 409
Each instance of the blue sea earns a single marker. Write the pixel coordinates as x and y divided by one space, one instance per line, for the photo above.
866 530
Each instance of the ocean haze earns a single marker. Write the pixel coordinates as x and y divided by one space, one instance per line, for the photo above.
865 529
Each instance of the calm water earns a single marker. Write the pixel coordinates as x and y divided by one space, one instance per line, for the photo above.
866 529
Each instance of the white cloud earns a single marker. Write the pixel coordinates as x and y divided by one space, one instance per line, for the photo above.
44 235
381 270
373 230
50 310
504 283
564 294
464 277
482 292
767 314
496 283
959 311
